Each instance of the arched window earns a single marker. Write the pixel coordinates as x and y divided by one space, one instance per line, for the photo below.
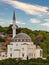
22 40
40 52
10 54
23 54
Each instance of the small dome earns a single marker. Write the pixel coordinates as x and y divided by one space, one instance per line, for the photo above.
22 37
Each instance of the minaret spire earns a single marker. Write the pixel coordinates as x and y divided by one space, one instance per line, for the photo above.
14 18
14 25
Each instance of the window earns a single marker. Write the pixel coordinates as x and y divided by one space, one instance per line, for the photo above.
34 54
3 55
23 40
17 40
40 52
10 54
0 54
23 54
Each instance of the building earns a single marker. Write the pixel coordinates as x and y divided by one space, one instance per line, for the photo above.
21 45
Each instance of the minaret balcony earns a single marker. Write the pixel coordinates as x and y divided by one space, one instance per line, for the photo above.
14 27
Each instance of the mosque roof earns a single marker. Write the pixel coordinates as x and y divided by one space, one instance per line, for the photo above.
22 37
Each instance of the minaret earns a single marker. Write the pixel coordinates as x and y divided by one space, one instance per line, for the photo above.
14 25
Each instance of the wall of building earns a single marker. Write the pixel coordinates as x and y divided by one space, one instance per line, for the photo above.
22 50
38 53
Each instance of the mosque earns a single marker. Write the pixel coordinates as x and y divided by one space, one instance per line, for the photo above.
22 46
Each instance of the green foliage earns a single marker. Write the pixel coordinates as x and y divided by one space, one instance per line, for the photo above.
21 63
2 39
1 29
9 30
8 62
24 62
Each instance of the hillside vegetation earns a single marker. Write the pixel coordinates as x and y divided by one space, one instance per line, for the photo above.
24 62
40 38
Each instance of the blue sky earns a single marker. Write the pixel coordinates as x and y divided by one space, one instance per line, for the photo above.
32 14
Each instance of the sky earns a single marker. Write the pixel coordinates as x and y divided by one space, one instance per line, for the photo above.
32 14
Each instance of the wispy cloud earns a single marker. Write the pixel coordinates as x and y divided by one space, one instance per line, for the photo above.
45 24
34 20
28 8
46 19
1 22
8 22
18 22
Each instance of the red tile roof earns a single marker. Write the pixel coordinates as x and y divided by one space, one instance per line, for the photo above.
4 43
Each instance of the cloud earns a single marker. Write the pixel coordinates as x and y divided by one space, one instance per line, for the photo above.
46 19
6 22
18 22
28 8
34 21
1 22
45 24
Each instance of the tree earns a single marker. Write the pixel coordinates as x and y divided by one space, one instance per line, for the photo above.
2 39
9 30
21 63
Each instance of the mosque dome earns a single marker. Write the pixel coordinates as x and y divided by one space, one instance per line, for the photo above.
21 37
